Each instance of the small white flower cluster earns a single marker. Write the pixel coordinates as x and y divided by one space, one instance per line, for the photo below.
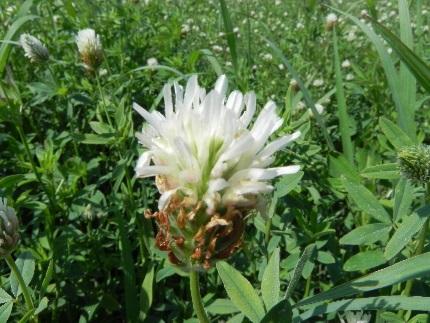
33 48
205 147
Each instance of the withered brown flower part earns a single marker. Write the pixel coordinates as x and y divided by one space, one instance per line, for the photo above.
194 238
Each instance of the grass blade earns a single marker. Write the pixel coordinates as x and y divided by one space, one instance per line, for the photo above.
231 37
344 123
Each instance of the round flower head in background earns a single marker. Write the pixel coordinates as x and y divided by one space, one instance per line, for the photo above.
33 48
330 21
414 163
90 48
9 235
211 167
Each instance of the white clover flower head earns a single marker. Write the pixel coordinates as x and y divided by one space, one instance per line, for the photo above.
357 317
217 48
351 36
152 62
90 48
331 21
318 83
349 77
267 57
33 48
206 147
346 63
319 107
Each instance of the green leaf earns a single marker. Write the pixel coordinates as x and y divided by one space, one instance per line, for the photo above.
403 198
11 180
325 257
366 234
94 139
11 34
231 36
100 127
270 285
47 278
5 311
297 273
4 296
384 171
281 310
419 68
396 136
25 264
393 303
146 292
366 201
365 260
340 166
241 292
411 268
222 306
43 304
407 229
287 183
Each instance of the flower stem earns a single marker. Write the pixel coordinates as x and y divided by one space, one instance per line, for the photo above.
197 298
25 292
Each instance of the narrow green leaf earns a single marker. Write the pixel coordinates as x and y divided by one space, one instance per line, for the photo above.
270 285
297 273
389 303
11 34
47 278
396 136
222 306
403 198
241 292
146 293
94 139
231 36
344 119
287 183
407 229
5 311
25 264
384 171
411 268
340 166
366 201
365 260
11 180
282 311
212 61
419 68
4 296
366 234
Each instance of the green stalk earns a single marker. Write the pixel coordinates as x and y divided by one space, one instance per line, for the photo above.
419 250
197 298
24 288
103 99
347 147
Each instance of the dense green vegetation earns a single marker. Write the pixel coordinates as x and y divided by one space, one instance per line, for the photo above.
356 89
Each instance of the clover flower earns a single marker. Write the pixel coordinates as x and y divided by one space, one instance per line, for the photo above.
414 163
33 48
211 167
90 48
357 317
330 21
9 235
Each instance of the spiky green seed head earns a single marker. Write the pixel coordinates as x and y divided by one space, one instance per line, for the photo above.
414 163
9 226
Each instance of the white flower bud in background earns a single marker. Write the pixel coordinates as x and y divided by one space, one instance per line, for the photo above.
318 83
357 317
267 57
152 62
346 64
33 48
217 48
319 107
349 77
90 48
330 21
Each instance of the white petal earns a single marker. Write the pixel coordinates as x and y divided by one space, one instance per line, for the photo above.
253 188
165 199
278 144
148 171
144 159
168 104
154 119
235 102
250 102
217 185
221 85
